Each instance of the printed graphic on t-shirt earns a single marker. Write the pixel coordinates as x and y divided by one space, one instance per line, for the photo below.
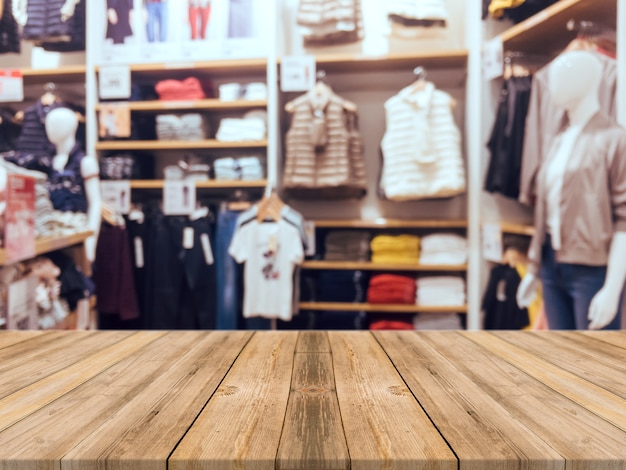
270 271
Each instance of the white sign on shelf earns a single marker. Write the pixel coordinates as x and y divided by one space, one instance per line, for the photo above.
11 85
114 82
22 305
493 59
492 242
116 195
179 197
297 73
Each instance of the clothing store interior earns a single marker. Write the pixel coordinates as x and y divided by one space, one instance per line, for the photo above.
312 164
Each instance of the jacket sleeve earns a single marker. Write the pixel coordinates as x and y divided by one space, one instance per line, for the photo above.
617 178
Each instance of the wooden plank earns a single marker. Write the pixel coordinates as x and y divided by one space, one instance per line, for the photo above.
385 426
313 341
483 434
209 184
579 435
369 266
36 360
517 229
37 395
593 361
148 425
51 432
312 436
212 103
616 338
48 244
241 425
383 308
9 338
224 66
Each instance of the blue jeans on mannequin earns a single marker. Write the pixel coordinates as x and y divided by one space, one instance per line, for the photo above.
157 15
228 272
568 290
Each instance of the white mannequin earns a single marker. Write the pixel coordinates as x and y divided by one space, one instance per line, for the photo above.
573 82
61 125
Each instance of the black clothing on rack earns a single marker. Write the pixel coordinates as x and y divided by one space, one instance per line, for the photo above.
119 31
9 32
500 302
506 144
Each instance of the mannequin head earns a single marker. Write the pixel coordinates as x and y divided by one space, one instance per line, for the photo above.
574 78
61 125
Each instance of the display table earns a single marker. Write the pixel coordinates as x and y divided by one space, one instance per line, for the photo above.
312 400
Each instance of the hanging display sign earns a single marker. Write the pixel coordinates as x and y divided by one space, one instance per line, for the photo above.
297 73
493 59
179 197
11 85
19 218
114 82
116 195
492 242
22 305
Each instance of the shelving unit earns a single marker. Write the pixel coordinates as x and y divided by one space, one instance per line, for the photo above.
517 229
369 266
64 74
128 145
214 67
546 32
391 224
382 308
206 104
49 244
209 184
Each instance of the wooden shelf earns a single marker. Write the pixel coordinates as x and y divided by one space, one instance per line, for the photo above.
63 74
449 58
211 104
391 223
48 244
128 145
546 32
209 184
385 308
213 67
369 266
517 229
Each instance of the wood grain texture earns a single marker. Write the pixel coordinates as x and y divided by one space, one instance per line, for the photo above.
385 426
594 361
590 396
45 438
29 399
312 436
616 338
143 432
584 439
10 338
483 434
34 360
240 428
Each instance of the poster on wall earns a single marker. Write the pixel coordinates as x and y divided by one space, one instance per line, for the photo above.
143 31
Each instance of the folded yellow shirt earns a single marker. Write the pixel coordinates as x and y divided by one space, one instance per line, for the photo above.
497 7
395 243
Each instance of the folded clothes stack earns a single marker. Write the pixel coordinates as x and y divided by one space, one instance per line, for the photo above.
440 291
347 245
443 249
251 127
341 286
180 90
391 289
187 127
330 22
238 169
437 321
395 249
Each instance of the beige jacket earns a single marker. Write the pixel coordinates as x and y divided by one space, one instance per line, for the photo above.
593 196
545 119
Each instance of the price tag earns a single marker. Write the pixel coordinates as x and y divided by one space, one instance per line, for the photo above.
114 120
114 82
492 242
297 73
22 305
493 59
11 85
139 260
179 197
309 230
206 248
116 195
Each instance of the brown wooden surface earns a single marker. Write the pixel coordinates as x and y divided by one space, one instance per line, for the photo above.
312 400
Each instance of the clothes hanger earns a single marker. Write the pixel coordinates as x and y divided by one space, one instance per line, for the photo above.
270 207
420 82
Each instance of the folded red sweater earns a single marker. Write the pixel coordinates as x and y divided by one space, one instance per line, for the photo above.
174 90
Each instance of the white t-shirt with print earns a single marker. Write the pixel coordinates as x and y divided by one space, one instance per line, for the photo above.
270 251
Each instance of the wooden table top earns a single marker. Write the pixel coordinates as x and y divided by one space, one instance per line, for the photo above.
312 400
